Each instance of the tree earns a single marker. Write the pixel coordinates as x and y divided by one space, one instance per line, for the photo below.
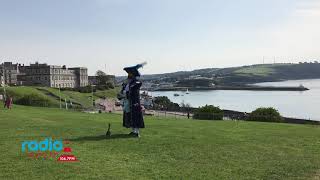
163 102
265 115
185 107
102 77
208 112
104 81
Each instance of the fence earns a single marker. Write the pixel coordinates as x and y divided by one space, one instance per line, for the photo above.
169 114
226 115
230 116
185 115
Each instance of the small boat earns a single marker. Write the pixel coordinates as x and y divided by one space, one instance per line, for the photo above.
187 92
175 94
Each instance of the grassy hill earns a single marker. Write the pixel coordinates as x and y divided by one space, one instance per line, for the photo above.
247 74
255 71
50 97
168 148
267 72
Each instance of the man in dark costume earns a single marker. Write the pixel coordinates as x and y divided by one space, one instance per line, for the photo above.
130 95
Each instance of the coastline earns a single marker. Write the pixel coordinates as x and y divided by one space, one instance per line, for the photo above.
292 104
247 87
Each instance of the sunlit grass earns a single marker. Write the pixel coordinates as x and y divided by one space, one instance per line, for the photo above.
168 148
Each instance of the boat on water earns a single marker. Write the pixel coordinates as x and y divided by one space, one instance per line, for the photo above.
175 94
187 92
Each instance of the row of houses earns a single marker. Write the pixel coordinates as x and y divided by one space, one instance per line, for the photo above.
45 75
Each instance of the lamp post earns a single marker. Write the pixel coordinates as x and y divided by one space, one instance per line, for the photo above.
4 82
54 81
60 96
4 91
65 100
92 94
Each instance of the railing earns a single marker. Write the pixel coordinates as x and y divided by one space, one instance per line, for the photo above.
228 116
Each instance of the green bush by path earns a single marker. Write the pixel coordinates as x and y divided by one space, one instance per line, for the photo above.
265 115
208 112
168 148
164 103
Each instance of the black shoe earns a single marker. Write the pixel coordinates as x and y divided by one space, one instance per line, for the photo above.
136 135
132 134
108 134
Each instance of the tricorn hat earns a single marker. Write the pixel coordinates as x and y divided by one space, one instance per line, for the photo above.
134 69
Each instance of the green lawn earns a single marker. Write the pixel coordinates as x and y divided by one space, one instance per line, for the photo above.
82 98
52 95
260 70
255 71
168 148
19 92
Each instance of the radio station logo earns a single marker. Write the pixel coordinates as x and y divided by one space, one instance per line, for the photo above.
49 149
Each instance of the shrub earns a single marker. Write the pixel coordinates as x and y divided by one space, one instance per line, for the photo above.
67 89
265 115
208 112
164 103
105 87
86 89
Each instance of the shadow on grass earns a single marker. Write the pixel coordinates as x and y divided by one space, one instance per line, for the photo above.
101 137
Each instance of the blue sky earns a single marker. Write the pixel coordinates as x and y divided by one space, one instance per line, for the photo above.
171 35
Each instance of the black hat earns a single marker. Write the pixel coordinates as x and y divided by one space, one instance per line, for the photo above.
134 69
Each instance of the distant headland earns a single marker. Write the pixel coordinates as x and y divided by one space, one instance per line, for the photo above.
234 78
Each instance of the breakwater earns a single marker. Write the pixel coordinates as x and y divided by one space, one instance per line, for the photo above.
246 87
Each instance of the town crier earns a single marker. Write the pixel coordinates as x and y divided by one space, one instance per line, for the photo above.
130 96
